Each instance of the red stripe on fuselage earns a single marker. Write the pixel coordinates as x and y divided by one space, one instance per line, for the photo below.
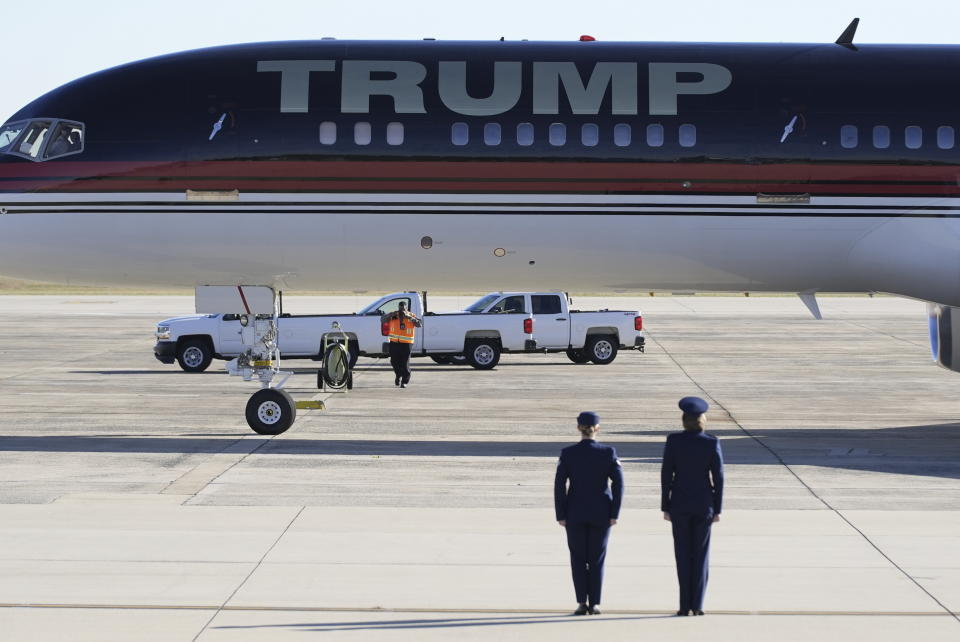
481 177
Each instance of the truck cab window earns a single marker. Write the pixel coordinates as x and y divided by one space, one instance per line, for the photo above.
481 304
546 304
393 305
508 305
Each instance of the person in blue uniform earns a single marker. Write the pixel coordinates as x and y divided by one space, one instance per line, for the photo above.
691 482
587 508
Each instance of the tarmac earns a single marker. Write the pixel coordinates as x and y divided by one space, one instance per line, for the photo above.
136 504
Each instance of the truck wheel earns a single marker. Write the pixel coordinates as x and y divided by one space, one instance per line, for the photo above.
577 356
354 349
194 355
483 354
601 349
270 411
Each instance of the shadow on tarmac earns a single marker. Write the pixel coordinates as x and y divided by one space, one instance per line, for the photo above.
423 623
930 450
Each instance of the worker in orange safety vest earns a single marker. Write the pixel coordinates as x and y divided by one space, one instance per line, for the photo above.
402 326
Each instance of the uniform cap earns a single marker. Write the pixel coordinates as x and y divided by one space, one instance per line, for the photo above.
693 405
588 419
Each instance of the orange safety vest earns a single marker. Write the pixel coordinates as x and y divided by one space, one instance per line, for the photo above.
401 333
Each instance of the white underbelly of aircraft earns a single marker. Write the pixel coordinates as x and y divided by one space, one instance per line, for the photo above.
389 242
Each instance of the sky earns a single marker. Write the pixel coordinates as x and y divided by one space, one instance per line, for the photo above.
72 39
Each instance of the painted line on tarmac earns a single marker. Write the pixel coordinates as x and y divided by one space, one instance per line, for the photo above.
532 612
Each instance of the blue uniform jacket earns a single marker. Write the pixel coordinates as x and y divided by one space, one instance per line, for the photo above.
691 479
588 465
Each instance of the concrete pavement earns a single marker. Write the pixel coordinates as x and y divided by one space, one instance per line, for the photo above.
135 504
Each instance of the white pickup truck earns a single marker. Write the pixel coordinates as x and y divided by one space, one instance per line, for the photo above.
496 323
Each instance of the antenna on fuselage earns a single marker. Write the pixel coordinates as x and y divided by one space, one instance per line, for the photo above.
846 38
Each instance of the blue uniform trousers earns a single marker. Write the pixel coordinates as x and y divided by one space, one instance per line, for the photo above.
691 547
588 550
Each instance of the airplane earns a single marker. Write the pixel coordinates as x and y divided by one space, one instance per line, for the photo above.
585 165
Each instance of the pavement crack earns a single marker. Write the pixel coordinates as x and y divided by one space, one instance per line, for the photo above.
249 575
800 480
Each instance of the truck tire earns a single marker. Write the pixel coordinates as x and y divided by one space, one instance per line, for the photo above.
601 349
270 411
577 356
483 354
354 349
194 355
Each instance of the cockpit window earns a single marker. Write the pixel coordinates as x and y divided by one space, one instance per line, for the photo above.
42 138
31 142
67 139
9 133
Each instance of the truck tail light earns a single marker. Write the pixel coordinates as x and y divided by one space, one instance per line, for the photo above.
638 323
385 328
528 326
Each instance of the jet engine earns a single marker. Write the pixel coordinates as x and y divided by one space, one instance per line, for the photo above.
945 335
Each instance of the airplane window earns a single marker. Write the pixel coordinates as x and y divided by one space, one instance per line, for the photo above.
881 137
328 133
491 134
848 136
362 134
622 135
913 137
688 135
557 134
525 134
9 133
590 135
394 133
460 134
655 135
32 140
945 137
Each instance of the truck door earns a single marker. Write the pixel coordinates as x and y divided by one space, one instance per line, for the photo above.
230 344
551 327
299 336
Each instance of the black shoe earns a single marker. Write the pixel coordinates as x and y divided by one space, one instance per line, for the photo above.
396 381
581 610
698 612
683 613
403 385
594 609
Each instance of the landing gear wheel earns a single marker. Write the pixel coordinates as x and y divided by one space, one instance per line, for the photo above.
577 356
601 349
194 355
483 354
271 411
